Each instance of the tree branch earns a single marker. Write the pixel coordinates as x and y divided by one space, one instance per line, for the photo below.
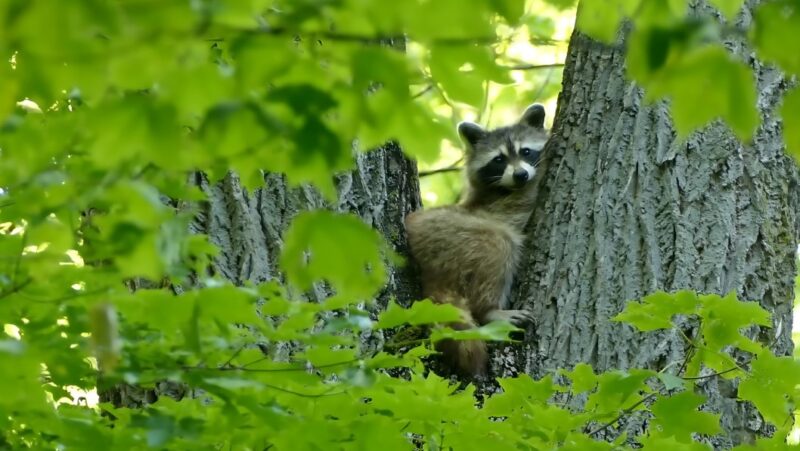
533 66
440 170
423 92
350 37
623 413
720 373
15 288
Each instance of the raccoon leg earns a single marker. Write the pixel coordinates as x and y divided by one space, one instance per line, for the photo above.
467 357
489 279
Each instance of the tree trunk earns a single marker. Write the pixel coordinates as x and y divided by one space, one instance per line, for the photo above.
248 229
625 210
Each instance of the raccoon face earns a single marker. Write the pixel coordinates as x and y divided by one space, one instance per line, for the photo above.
505 157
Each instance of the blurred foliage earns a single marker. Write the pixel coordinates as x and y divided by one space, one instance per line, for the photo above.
533 55
107 105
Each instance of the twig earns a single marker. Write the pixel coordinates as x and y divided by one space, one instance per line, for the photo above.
533 66
439 171
402 344
423 92
303 395
624 412
694 378
350 37
66 297
15 288
235 354
226 367
18 263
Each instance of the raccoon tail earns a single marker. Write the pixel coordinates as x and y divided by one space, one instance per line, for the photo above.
467 357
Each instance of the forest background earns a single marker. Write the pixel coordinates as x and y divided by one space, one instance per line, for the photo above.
201 210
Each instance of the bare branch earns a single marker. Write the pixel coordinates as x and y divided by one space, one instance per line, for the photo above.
720 373
439 171
623 413
423 92
533 66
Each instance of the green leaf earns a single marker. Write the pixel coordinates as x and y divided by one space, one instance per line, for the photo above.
722 318
174 312
618 390
677 416
774 31
523 387
582 377
352 262
657 442
324 356
386 360
382 66
494 331
447 64
510 10
416 129
655 14
790 114
448 19
227 305
562 5
518 393
600 19
771 383
775 443
655 311
671 382
460 86
420 312
730 8
580 442
706 83
133 127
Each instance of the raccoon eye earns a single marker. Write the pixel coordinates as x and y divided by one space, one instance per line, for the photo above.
498 159
525 151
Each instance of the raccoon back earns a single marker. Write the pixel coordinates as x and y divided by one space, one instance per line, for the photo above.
463 253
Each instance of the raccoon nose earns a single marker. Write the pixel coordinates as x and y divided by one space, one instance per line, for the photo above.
520 176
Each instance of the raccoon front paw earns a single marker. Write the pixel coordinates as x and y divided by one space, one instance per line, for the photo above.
518 318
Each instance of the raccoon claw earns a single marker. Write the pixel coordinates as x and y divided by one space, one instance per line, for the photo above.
521 317
516 317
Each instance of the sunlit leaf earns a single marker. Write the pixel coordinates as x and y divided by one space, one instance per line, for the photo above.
600 19
421 312
772 383
790 113
352 262
655 311
775 31
730 8
671 63
582 377
677 416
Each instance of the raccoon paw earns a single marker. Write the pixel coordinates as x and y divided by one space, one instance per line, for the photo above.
516 317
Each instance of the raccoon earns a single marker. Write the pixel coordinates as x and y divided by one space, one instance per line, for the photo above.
467 253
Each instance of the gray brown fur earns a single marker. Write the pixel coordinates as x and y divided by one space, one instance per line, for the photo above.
468 253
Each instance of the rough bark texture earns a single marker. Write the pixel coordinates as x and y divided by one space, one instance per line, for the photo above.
248 228
625 210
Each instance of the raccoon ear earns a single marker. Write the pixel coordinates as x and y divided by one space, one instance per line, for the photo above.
534 116
470 132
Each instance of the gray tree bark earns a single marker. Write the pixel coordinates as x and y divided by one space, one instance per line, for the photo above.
248 228
625 209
